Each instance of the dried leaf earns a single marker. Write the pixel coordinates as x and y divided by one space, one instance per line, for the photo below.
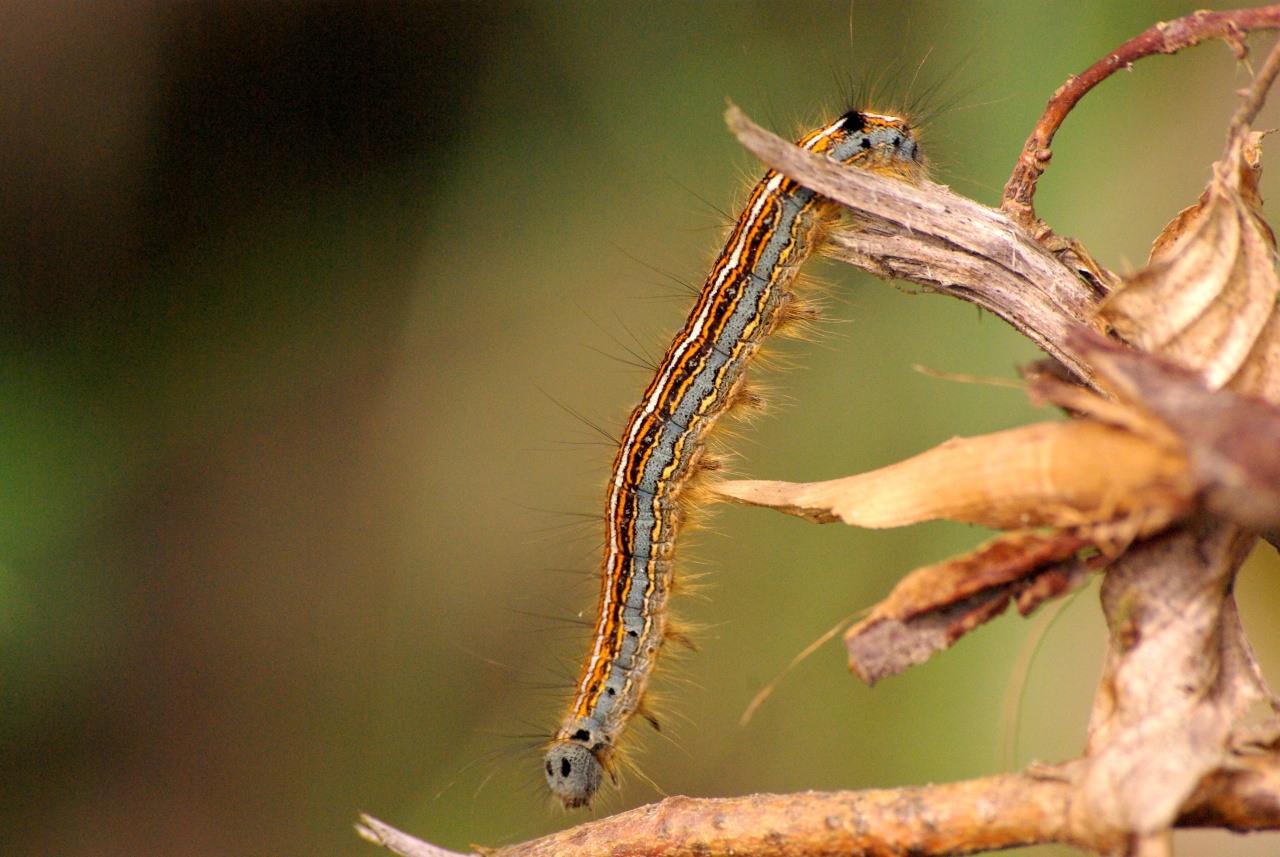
1072 473
1177 227
1262 367
1232 442
1152 739
1101 481
1207 299
934 606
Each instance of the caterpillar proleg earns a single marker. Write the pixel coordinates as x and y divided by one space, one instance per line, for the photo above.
746 297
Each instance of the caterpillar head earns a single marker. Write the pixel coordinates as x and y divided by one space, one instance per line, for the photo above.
882 144
574 772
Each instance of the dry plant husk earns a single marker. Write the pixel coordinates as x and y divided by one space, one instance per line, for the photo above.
1207 298
1124 470
1180 674
1070 493
1077 474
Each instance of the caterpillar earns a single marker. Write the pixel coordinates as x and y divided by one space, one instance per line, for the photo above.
746 297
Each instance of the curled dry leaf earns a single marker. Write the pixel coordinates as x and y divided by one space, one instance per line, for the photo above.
1207 297
934 606
1153 737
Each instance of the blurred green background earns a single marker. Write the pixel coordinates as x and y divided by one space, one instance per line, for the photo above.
299 305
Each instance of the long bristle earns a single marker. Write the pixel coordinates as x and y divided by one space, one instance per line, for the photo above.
680 638
745 399
710 462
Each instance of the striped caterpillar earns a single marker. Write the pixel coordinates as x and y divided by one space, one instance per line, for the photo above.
746 297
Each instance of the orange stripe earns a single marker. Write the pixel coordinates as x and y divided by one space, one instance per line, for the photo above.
742 301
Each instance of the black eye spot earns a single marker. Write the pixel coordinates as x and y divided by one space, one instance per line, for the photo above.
896 141
866 143
633 633
611 691
582 735
854 121
565 768
548 769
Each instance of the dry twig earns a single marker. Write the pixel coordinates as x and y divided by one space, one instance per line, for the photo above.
1162 38
1004 811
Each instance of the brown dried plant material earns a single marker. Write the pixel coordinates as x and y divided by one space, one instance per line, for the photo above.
1095 484
1178 678
1232 442
1079 474
1250 172
1207 298
936 605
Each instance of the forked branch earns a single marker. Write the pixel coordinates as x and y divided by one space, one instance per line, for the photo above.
1162 38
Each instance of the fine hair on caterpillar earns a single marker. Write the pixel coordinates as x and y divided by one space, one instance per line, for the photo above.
748 296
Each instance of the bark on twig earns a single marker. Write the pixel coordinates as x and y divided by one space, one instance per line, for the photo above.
1004 811
1162 38
397 841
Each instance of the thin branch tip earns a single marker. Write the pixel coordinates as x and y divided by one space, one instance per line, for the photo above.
399 842
1163 38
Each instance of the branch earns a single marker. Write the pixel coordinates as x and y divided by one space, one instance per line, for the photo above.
1163 38
398 842
1006 811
